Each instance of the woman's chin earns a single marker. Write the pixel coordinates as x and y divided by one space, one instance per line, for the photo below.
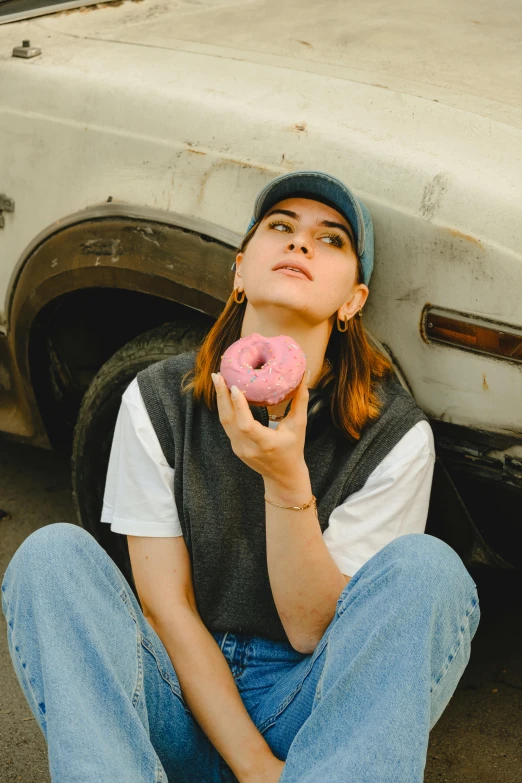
287 300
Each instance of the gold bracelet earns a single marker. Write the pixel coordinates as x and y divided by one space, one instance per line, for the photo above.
295 508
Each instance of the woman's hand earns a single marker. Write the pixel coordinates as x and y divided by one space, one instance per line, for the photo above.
277 454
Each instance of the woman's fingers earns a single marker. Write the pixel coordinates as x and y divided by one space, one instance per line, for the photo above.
234 411
245 422
225 408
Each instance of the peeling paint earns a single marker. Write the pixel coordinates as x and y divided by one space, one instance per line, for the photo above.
146 232
93 7
101 247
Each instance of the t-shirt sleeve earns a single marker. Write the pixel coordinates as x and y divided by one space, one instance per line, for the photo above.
393 502
139 489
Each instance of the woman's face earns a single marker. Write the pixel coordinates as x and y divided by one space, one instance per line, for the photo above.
296 232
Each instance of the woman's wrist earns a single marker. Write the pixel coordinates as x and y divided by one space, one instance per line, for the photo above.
267 769
291 490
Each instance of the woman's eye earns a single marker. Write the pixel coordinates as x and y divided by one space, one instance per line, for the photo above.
338 241
278 224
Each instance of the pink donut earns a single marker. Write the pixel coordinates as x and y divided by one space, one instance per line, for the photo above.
267 369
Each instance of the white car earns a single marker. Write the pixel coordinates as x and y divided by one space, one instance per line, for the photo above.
134 137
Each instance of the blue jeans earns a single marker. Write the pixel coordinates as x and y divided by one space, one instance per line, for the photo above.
360 708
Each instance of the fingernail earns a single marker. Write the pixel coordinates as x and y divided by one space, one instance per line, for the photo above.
213 375
308 376
234 392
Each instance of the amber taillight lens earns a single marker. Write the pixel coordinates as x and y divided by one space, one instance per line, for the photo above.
462 331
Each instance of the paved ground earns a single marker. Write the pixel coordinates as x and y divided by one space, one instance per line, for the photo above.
477 740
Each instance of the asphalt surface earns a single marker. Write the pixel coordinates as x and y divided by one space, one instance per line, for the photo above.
478 739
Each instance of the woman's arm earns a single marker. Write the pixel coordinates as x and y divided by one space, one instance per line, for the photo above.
306 583
161 568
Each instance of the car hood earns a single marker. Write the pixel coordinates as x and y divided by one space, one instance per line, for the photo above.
464 54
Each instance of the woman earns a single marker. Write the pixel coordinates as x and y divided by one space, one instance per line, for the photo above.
296 623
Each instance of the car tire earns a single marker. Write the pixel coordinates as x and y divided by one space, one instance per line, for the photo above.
96 420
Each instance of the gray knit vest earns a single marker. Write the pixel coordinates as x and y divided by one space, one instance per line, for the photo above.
220 499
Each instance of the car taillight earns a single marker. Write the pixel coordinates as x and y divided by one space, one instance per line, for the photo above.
464 331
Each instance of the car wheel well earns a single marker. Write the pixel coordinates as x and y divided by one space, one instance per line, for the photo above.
75 334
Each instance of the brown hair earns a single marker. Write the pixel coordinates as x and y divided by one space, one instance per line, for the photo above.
355 367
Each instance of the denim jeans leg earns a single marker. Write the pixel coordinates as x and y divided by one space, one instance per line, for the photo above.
96 676
387 666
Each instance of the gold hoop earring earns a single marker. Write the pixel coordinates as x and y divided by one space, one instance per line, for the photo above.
242 291
345 324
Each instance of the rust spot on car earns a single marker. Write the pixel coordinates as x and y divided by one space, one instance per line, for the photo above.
300 126
484 382
461 235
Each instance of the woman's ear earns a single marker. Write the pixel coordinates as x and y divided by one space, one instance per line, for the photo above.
356 303
239 259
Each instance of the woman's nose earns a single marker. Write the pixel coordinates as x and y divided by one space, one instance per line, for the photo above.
302 240
291 246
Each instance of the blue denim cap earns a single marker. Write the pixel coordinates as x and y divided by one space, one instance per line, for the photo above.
323 187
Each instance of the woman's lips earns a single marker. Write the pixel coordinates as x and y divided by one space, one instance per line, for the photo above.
292 273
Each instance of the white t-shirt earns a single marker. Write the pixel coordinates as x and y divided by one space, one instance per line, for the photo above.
139 491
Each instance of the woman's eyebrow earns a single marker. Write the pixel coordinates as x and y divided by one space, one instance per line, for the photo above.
329 223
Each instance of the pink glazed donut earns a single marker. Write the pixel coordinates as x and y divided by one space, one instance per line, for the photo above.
267 369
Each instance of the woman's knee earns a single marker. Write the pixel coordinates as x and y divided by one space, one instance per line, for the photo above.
48 548
430 564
